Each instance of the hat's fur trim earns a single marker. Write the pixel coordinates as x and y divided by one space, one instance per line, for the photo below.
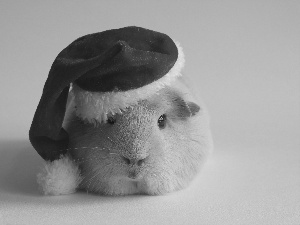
95 107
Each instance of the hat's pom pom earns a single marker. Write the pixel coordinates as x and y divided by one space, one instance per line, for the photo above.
59 177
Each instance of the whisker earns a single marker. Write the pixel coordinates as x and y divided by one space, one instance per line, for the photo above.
91 156
91 177
118 144
90 181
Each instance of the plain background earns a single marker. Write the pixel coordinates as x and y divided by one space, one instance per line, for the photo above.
243 58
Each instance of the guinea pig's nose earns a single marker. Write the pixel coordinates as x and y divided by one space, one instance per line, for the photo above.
134 161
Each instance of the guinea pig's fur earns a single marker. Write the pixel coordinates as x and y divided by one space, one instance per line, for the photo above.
131 154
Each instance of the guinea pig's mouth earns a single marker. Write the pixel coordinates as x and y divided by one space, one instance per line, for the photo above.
134 181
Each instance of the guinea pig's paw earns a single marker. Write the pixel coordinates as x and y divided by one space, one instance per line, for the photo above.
59 177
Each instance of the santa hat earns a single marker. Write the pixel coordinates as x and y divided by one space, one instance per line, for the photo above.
109 71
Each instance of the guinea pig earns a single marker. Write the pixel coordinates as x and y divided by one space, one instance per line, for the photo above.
116 118
153 147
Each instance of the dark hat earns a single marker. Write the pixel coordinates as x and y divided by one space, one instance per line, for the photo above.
111 62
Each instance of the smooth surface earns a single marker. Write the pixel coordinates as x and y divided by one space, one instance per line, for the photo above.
242 57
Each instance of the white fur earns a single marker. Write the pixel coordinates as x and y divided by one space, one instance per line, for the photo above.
96 106
59 177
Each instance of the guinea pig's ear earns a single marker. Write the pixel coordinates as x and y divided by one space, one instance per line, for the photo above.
185 109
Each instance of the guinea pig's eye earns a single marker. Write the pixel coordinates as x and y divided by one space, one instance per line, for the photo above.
111 120
162 121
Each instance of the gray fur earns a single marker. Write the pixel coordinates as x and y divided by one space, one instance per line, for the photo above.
135 156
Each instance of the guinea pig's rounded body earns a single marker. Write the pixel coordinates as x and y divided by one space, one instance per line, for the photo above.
153 147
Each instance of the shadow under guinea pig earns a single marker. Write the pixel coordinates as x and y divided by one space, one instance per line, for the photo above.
19 163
